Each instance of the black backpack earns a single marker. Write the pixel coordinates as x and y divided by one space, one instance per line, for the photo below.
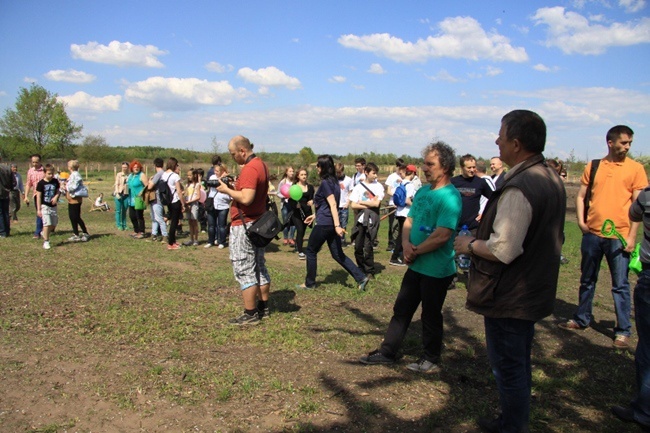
164 191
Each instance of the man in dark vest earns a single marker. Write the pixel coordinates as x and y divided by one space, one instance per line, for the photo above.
515 262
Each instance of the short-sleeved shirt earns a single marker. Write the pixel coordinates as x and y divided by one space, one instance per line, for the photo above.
433 208
171 179
392 182
328 186
156 177
48 191
253 176
360 193
471 190
611 193
403 211
345 184
34 175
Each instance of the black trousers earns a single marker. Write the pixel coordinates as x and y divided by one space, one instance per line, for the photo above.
137 219
174 217
431 292
74 212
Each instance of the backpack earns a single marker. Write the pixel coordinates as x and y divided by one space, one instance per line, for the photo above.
399 196
164 191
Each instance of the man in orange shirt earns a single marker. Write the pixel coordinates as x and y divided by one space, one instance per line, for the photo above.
617 183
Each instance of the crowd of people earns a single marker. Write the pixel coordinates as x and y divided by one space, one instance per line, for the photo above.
515 220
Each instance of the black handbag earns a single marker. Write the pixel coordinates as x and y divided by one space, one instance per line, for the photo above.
264 229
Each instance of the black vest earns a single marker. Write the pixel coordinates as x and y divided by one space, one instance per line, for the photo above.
525 288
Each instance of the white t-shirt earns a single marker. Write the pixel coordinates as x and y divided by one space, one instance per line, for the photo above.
392 182
359 194
403 211
358 177
346 189
221 200
98 202
171 182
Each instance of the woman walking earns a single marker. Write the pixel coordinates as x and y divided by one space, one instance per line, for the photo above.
328 228
73 186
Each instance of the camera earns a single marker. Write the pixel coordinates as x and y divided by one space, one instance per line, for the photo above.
212 183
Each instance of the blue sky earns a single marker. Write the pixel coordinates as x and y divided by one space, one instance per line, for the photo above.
337 76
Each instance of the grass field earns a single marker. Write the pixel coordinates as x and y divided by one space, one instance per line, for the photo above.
121 335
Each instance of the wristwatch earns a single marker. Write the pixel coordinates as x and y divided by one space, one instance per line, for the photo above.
470 247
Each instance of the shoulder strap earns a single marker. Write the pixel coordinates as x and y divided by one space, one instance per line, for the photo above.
592 175
372 194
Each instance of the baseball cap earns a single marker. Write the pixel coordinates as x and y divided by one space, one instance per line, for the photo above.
411 167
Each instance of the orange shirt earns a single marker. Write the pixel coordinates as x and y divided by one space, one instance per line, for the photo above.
611 193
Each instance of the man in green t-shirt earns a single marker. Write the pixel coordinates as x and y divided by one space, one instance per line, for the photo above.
428 240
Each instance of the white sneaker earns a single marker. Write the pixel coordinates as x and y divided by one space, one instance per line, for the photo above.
207 245
222 246
85 237
74 238
46 245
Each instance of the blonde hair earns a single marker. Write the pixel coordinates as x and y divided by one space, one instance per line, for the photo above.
74 163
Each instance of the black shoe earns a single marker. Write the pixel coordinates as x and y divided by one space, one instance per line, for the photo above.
397 262
363 284
376 358
489 425
246 319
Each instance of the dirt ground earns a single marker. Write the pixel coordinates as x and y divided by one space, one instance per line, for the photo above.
52 381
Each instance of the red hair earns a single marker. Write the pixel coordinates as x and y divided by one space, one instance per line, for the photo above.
133 164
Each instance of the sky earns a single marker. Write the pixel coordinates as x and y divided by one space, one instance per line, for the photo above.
336 76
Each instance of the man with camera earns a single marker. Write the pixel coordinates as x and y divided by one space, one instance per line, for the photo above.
249 203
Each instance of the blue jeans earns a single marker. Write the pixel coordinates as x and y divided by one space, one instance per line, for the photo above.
508 344
5 222
319 235
39 221
217 225
641 404
121 209
158 225
289 231
593 249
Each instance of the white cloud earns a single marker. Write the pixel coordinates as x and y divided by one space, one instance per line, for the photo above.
84 101
573 33
632 5
269 77
491 71
543 68
119 54
70 76
337 79
30 80
376 68
218 67
169 94
458 38
443 75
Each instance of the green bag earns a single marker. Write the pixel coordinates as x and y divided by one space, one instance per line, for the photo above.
139 203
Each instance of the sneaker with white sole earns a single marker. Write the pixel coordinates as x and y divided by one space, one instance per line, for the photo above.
222 246
85 237
301 256
246 319
208 245
424 366
74 238
46 245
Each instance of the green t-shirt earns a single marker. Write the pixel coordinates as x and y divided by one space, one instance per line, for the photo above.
434 208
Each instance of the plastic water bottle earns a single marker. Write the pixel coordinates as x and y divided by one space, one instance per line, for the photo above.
464 260
426 229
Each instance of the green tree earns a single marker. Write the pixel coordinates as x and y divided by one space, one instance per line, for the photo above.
39 121
95 148
307 156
